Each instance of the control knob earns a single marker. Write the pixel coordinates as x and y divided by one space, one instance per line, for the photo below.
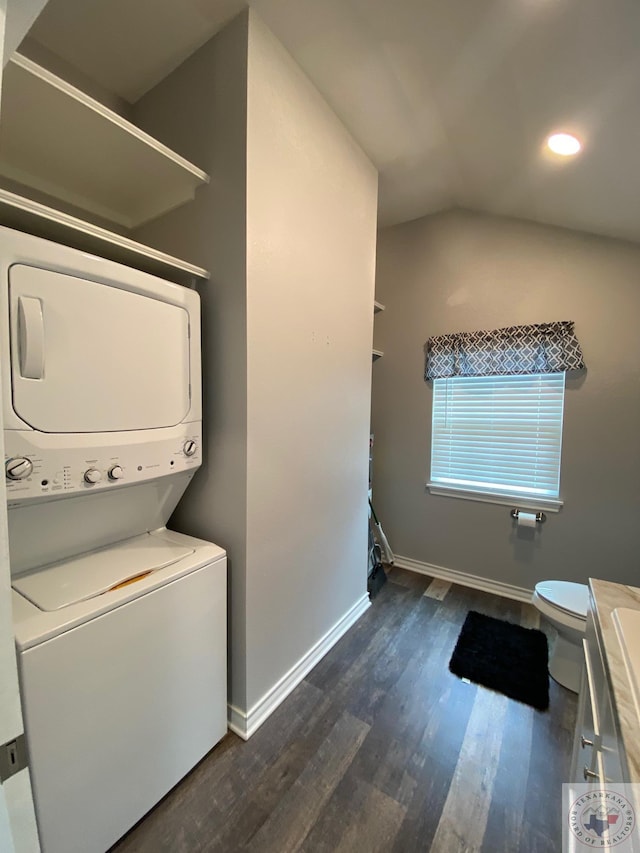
18 468
189 447
116 473
92 475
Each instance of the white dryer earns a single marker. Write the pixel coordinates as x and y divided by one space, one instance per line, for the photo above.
120 623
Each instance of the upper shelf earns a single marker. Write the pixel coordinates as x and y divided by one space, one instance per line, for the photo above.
35 218
61 141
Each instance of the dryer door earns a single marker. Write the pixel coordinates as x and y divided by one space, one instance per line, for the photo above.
90 357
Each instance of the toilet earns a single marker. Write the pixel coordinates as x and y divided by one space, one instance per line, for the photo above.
565 605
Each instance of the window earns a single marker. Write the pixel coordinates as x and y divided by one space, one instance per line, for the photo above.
498 436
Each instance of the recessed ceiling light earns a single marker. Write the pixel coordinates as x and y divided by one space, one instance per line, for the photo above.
564 144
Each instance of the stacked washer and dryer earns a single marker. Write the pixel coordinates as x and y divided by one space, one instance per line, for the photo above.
120 624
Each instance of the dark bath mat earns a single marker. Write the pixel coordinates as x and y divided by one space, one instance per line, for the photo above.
505 657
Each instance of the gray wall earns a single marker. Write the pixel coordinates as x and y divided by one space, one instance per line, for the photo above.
462 271
201 111
311 243
288 229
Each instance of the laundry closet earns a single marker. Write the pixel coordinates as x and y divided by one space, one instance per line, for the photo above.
120 623
226 198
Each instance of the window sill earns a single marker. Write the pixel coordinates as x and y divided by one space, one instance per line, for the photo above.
519 501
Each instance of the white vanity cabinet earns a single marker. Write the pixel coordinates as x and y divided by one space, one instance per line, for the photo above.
598 755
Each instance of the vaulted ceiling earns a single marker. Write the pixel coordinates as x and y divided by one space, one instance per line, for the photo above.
451 99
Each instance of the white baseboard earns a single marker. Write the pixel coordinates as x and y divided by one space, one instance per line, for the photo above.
506 590
245 723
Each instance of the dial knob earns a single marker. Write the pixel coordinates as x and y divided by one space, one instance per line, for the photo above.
189 447
92 475
18 468
116 473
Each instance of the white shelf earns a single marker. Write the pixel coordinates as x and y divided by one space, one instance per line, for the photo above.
377 307
61 141
35 218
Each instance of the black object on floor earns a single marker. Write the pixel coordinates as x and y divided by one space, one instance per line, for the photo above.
376 580
505 657
376 575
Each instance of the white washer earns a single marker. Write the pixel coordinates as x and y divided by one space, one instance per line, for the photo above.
121 687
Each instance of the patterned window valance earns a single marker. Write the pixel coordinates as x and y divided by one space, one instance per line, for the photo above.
516 350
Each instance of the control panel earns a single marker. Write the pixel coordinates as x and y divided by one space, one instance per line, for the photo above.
34 470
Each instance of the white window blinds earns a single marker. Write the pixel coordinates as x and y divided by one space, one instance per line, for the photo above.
498 434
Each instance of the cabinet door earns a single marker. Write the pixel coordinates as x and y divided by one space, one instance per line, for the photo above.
608 741
90 357
596 754
587 739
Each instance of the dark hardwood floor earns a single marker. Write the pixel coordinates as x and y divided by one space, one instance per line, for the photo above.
381 748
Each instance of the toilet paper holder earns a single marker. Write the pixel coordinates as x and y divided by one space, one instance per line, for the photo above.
540 516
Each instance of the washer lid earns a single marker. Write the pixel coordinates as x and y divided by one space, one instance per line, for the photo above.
570 597
97 572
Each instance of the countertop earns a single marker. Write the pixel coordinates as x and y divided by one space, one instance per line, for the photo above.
606 596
